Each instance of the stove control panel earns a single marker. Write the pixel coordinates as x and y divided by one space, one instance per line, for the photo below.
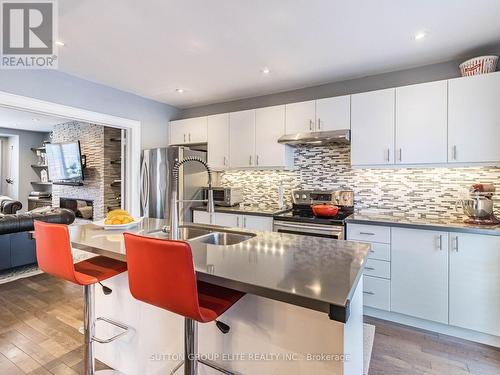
336 197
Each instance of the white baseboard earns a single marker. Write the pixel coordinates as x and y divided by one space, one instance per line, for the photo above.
444 329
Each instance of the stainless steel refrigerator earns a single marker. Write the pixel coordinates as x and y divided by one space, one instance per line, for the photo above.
156 181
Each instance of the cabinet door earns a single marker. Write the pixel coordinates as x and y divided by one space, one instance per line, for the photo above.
474 119
333 113
260 223
178 132
419 274
269 126
187 131
218 141
227 220
202 217
475 282
242 139
300 117
421 123
372 128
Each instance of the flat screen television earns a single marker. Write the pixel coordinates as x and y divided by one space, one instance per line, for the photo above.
65 163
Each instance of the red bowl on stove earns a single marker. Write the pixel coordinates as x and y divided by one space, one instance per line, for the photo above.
325 210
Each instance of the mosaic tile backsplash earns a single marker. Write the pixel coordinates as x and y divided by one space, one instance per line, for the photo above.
425 192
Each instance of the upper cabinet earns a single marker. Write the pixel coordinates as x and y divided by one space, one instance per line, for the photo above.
188 131
333 113
300 117
269 127
421 123
218 141
242 139
372 128
474 119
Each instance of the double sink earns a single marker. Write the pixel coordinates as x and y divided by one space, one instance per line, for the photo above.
206 235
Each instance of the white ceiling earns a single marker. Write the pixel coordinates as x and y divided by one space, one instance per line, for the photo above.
215 49
14 119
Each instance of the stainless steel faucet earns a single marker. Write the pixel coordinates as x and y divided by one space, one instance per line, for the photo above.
174 209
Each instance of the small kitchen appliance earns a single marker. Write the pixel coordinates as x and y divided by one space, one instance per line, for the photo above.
478 205
225 196
302 220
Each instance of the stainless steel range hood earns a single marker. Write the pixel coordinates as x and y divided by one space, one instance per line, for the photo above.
317 138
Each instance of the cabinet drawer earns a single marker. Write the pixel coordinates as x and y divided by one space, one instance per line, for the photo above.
378 268
380 251
377 293
371 233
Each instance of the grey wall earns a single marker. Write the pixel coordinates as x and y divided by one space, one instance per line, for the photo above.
445 70
26 174
58 87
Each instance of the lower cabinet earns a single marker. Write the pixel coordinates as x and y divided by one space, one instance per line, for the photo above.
252 222
420 273
377 292
475 282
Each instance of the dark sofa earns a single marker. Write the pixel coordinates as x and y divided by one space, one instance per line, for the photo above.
17 246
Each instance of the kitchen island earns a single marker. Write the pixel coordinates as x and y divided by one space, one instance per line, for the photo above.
302 312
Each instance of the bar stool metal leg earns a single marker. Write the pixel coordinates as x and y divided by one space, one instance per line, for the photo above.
89 333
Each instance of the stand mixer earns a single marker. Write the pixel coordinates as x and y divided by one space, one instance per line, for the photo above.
478 205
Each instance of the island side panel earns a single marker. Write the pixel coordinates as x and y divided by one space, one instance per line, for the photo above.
353 334
259 326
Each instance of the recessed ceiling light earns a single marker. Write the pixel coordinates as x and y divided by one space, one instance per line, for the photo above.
180 91
59 43
419 35
266 71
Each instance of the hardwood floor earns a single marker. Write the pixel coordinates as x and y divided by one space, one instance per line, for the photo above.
40 317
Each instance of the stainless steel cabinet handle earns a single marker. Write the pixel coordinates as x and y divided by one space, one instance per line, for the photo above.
189 137
370 268
310 124
371 251
225 161
367 233
257 160
369 293
250 160
400 154
456 244
388 155
245 221
237 221
319 123
440 242
184 137
454 152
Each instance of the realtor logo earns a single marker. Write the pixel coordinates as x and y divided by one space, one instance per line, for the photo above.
28 34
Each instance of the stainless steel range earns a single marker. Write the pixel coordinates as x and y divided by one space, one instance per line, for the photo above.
301 220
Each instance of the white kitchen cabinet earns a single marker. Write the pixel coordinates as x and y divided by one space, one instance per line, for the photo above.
333 113
269 127
251 222
377 293
300 117
372 128
218 141
474 119
242 139
421 123
475 282
419 273
202 217
260 223
369 233
227 220
188 131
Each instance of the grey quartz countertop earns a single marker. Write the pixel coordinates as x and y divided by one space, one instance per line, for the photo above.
247 210
419 222
317 273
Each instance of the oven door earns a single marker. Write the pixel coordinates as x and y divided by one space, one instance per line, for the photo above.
307 229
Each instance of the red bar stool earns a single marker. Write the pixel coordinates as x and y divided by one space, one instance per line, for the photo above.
161 273
53 253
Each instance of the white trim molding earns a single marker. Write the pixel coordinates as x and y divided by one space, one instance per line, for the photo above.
24 103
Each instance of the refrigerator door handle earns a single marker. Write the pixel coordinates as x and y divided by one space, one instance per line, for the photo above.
144 186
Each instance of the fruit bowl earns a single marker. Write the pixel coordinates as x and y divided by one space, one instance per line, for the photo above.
102 224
